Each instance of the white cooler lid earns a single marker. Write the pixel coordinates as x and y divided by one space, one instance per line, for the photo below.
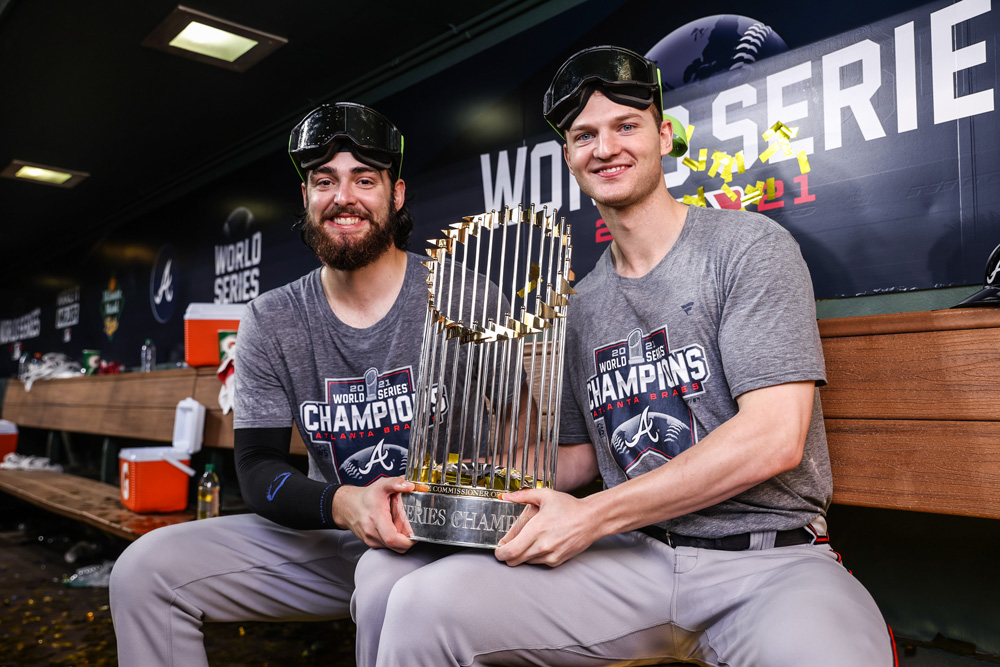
7 426
215 311
152 454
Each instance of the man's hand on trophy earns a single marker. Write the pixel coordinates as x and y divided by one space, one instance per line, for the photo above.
374 513
553 528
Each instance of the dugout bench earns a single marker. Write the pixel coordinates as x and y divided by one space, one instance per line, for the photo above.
129 406
912 412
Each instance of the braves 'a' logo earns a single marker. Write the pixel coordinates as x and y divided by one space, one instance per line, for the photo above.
650 435
379 455
380 460
993 275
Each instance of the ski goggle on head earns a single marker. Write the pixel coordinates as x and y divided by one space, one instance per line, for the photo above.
623 76
332 128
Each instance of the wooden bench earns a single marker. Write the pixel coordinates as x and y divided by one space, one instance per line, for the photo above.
132 406
912 410
912 414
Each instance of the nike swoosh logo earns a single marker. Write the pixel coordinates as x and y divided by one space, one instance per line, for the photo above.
280 479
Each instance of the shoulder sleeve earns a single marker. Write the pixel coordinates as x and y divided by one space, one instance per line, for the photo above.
768 333
273 488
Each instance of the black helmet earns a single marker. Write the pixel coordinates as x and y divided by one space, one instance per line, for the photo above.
990 294
332 128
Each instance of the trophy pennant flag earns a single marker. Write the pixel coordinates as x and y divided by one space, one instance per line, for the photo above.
486 415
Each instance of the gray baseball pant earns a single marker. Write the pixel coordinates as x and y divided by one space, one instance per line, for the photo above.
232 568
627 598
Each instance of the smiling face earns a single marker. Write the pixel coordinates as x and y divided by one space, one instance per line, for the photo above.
350 212
614 152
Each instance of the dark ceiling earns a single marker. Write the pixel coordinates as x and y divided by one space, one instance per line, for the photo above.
81 92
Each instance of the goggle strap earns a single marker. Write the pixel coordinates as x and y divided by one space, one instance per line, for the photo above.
659 84
298 170
295 162
399 167
561 136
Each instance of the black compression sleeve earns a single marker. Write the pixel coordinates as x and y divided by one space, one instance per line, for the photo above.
273 488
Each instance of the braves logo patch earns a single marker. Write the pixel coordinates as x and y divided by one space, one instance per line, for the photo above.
381 459
638 396
362 429
650 435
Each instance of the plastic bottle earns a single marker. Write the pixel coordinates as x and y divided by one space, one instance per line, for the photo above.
147 356
81 551
208 493
91 576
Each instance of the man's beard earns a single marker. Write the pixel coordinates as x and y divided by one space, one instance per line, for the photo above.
353 254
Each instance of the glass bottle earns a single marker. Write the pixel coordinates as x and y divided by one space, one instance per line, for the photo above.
208 493
147 356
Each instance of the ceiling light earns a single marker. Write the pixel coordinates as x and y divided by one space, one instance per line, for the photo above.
208 39
30 171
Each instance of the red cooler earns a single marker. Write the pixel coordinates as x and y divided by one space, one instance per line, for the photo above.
208 329
8 438
151 479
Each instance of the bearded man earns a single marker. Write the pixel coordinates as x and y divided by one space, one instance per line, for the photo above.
334 354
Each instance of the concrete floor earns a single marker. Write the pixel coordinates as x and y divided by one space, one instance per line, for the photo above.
44 622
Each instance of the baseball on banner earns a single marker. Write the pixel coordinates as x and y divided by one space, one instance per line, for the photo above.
710 45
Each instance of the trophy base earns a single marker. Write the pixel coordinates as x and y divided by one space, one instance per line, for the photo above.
479 519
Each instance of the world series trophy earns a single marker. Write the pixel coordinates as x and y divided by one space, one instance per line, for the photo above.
497 282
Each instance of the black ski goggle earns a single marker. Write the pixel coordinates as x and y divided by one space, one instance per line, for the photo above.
331 128
623 75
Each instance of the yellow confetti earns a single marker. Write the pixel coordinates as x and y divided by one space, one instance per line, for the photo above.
782 133
690 133
533 274
751 195
696 200
700 164
727 170
768 152
532 284
725 165
804 167
716 163
783 130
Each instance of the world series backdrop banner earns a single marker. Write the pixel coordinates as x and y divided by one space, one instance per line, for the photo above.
884 167
875 148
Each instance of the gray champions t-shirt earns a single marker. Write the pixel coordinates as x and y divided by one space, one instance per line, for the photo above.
349 391
655 363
